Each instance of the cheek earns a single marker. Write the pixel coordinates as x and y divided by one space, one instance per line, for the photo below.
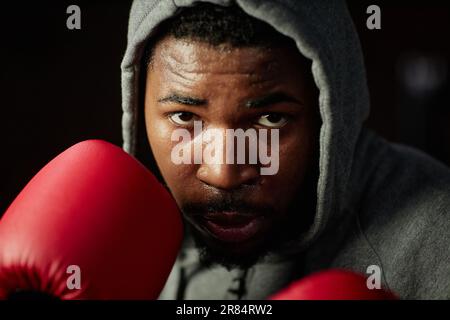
159 137
159 133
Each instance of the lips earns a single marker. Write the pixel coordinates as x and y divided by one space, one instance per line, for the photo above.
232 227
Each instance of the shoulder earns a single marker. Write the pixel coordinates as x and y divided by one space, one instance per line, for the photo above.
402 176
405 214
410 179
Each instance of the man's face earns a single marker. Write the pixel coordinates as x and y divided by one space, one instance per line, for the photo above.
234 211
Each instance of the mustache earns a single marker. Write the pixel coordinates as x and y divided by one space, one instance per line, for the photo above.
226 202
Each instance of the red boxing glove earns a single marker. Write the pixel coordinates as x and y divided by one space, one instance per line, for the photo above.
92 224
332 285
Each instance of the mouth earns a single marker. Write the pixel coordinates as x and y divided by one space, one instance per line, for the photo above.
232 227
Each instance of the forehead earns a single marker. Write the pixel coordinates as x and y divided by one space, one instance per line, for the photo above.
188 56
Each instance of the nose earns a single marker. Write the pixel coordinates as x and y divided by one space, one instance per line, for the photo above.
227 176
220 172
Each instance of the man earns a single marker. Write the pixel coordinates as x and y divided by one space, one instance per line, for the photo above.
342 197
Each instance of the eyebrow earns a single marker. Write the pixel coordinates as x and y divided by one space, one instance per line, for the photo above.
265 101
270 99
181 99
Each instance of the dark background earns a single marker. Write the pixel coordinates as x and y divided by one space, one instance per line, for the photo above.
60 86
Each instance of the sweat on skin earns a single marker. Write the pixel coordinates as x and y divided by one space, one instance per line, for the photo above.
239 89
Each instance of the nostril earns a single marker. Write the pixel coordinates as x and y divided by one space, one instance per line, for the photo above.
228 177
250 176
251 181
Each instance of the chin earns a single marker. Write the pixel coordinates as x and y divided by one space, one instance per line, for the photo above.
242 254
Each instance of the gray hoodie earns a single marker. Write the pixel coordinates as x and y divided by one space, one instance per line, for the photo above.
378 203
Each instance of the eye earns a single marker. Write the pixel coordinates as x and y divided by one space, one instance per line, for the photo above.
182 118
272 120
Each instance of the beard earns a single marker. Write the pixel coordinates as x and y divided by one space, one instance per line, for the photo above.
210 256
279 240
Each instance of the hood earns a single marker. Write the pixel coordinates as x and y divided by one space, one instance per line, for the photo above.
325 34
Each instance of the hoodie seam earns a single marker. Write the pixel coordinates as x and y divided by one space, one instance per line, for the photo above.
372 247
149 11
359 224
